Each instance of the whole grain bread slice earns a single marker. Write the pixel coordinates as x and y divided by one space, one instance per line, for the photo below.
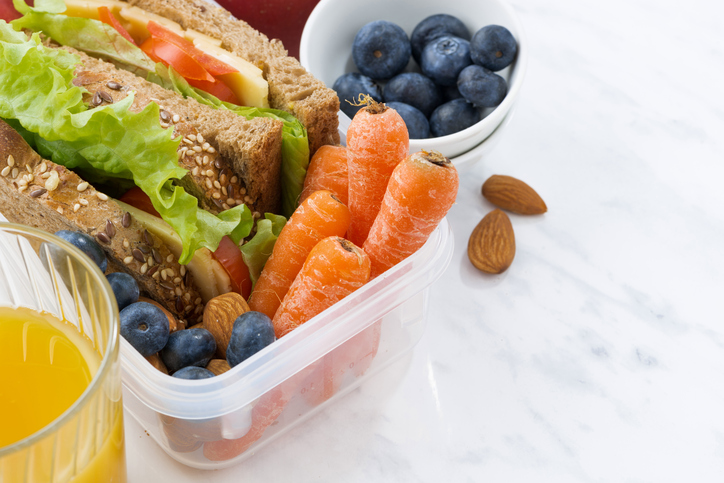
291 87
44 195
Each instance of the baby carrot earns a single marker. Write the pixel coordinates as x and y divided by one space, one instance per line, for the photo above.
319 216
334 269
327 171
421 191
377 140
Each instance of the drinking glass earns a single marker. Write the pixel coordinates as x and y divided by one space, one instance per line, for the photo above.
44 273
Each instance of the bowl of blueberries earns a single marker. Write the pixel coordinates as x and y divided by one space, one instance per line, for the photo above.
452 70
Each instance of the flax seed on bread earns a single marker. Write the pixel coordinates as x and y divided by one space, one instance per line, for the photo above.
42 194
291 87
247 149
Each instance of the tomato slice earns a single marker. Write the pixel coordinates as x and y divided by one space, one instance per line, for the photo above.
7 11
138 199
147 48
218 89
169 54
107 17
229 256
211 64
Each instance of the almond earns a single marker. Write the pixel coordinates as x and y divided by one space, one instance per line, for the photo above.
491 247
156 362
513 195
219 316
218 366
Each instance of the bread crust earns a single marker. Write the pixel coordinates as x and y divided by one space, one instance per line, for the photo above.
291 87
29 196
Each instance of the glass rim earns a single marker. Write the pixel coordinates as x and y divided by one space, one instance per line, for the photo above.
112 346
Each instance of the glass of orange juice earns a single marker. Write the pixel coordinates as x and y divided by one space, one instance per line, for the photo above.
61 414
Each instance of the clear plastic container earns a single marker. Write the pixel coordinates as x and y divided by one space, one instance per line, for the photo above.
216 423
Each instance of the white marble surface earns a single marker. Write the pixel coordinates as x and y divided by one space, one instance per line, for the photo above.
599 355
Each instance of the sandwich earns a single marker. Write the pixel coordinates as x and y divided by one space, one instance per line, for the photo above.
201 52
107 127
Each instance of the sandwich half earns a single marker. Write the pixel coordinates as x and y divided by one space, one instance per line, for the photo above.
199 51
230 160
45 195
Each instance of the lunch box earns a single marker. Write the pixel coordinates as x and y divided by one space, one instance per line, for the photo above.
218 422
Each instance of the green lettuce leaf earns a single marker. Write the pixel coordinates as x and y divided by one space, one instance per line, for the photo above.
50 6
36 90
256 251
61 151
98 39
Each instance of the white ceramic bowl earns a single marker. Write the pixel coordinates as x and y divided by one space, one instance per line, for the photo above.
326 51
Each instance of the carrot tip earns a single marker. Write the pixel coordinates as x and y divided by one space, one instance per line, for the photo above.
347 245
372 106
435 157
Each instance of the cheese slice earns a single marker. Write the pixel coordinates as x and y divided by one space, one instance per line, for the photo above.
192 35
89 8
248 84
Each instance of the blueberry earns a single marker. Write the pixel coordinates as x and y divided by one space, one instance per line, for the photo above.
433 27
381 49
145 326
444 58
493 47
190 347
124 288
350 86
452 117
482 87
417 124
87 245
414 89
252 331
193 372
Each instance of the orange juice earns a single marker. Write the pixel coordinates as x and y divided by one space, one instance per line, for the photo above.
44 371
47 364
